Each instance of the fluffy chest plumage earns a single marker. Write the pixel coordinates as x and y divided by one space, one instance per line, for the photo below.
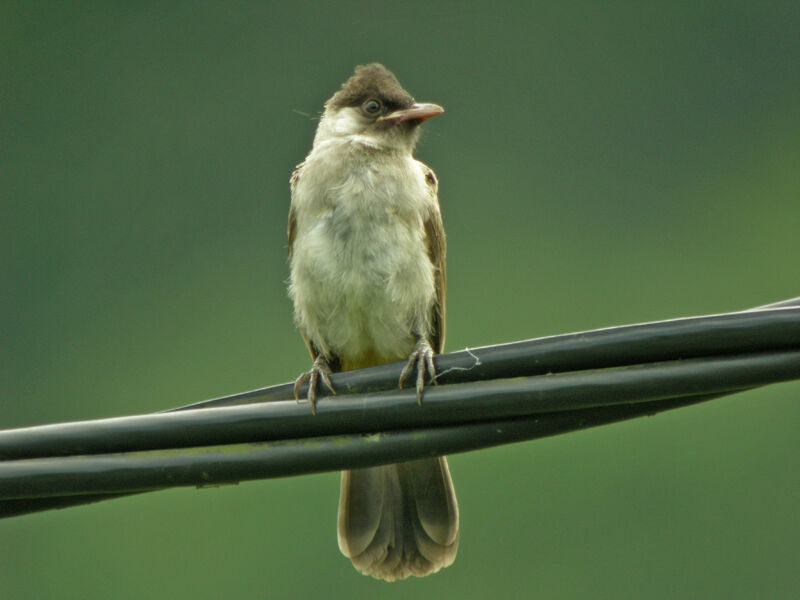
361 280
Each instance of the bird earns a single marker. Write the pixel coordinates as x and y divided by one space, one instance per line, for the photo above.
367 280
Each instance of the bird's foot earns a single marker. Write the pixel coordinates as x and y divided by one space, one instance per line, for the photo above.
319 370
422 359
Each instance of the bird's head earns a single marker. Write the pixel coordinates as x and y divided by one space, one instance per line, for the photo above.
373 109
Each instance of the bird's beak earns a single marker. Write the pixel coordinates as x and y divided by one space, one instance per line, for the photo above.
417 112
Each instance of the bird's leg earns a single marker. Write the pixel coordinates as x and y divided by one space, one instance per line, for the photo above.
422 359
319 370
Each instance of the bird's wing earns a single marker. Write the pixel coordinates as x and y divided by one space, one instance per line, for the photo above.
291 232
435 238
291 229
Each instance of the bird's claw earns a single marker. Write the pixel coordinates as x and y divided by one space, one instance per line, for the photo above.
319 370
422 359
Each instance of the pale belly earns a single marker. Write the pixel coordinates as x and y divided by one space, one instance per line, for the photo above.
363 287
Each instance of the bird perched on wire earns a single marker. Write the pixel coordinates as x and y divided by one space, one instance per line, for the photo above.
367 279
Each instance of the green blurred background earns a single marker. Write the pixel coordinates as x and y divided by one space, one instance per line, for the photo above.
600 164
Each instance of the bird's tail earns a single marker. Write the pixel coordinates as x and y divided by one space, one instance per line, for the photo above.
399 520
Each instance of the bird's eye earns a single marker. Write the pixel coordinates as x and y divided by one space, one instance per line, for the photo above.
371 106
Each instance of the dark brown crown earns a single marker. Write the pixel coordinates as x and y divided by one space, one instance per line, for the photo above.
371 81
